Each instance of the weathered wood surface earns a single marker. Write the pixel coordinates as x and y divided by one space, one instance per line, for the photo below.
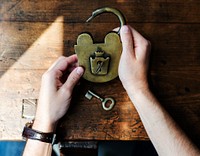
34 33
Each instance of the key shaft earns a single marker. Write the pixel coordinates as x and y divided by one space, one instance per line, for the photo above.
95 95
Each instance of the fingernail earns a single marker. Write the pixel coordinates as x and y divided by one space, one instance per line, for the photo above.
125 29
79 71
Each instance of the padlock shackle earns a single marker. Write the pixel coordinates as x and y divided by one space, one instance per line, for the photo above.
109 10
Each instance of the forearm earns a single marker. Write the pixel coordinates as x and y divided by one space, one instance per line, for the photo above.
166 136
35 147
57 85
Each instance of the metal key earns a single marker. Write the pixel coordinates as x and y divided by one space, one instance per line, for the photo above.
90 94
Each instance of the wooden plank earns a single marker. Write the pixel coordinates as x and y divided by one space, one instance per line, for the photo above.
36 45
172 50
34 33
174 73
25 54
76 11
90 121
78 123
16 85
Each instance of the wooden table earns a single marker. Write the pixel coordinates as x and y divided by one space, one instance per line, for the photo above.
33 34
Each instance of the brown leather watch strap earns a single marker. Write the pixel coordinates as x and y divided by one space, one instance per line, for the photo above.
30 133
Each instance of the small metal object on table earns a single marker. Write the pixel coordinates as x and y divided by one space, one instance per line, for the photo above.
104 101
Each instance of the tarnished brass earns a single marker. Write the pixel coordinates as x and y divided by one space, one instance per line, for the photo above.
99 63
109 10
100 60
86 50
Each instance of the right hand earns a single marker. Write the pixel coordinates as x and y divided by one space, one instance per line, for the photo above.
134 60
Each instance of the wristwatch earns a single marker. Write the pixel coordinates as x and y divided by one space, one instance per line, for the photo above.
30 133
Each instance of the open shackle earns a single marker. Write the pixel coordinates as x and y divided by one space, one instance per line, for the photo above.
109 10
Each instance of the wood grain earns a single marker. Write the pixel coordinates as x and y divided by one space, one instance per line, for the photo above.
143 11
35 33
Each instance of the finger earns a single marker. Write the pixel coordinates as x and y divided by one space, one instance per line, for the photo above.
62 63
67 72
116 29
72 67
127 39
142 45
73 79
137 37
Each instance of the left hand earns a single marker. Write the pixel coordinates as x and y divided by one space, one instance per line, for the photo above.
57 85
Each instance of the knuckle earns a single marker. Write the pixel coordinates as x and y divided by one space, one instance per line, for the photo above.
149 44
66 90
145 43
74 78
61 57
47 75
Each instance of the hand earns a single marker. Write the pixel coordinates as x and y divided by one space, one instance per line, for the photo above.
134 60
56 92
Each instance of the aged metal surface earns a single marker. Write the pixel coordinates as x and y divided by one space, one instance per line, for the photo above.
100 60
35 33
79 144
90 57
109 10
107 103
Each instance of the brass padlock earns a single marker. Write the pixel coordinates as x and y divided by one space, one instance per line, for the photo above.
100 60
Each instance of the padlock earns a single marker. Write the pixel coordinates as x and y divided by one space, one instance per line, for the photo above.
100 60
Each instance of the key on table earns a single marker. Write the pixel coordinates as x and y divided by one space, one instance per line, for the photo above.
90 94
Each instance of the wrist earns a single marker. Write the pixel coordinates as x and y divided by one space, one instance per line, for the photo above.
136 93
43 121
141 99
135 89
34 134
44 126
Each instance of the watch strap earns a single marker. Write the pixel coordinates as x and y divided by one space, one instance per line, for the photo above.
30 133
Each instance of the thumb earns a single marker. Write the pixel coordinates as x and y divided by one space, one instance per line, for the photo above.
73 78
127 39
